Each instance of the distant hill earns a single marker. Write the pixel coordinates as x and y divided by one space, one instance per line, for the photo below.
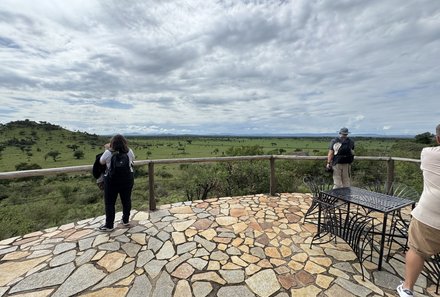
45 145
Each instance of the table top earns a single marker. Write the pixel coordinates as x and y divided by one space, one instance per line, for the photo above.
375 201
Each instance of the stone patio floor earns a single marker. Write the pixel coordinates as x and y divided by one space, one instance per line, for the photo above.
243 246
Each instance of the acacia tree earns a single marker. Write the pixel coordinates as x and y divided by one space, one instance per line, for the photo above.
425 138
79 154
53 154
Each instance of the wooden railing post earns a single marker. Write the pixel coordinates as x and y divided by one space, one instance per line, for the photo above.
390 175
152 200
273 181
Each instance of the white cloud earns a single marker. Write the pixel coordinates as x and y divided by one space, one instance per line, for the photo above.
221 67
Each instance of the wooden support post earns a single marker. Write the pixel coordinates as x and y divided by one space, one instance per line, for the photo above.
273 182
151 185
390 176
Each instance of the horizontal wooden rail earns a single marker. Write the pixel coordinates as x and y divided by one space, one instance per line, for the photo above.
151 163
88 168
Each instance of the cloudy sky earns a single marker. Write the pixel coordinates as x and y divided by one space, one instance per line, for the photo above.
211 67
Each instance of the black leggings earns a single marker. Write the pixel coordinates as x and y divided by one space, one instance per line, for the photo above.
111 190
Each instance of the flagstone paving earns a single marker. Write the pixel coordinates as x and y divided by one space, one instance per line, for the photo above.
252 245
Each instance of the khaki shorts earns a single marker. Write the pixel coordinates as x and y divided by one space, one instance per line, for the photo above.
423 239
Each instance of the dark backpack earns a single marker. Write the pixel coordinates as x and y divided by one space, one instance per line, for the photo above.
119 166
98 168
345 155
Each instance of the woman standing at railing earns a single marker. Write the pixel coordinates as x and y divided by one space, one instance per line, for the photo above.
118 179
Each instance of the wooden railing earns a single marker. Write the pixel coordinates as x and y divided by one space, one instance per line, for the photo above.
150 163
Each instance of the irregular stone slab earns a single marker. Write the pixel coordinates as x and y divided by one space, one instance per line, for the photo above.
144 257
208 245
203 224
139 238
166 252
84 277
122 238
287 281
112 261
366 283
47 278
209 234
158 214
64 258
85 243
353 288
341 255
201 289
186 247
226 221
198 263
337 290
219 256
181 210
8 250
264 283
386 280
108 292
141 216
164 236
176 262
154 267
208 276
312 291
15 256
86 257
62 247
232 276
182 226
154 244
141 287
110 246
164 286
119 274
183 289
184 271
235 291
11 271
131 249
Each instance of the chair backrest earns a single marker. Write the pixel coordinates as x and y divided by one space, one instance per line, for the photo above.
397 189
317 184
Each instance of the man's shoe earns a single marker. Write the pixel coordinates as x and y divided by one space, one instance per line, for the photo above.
104 228
125 224
404 292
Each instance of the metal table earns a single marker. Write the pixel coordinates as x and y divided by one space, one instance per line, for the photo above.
372 201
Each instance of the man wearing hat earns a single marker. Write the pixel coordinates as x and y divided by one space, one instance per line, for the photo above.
339 158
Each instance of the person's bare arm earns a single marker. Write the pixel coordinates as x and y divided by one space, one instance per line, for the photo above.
330 158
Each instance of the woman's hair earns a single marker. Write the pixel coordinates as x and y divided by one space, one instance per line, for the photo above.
119 143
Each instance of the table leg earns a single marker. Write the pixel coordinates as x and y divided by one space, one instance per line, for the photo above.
382 241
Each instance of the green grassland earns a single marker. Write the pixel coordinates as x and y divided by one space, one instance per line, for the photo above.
31 204
30 142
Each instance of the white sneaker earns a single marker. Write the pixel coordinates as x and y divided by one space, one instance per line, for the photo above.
404 292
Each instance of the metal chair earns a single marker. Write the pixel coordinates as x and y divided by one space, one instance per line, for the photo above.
399 224
336 220
316 184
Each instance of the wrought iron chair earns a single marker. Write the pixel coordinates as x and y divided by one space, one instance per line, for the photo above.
316 184
399 235
399 224
432 270
336 220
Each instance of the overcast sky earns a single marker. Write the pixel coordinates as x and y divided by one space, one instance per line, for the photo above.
210 67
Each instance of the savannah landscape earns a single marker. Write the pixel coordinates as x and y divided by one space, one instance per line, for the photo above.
30 204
